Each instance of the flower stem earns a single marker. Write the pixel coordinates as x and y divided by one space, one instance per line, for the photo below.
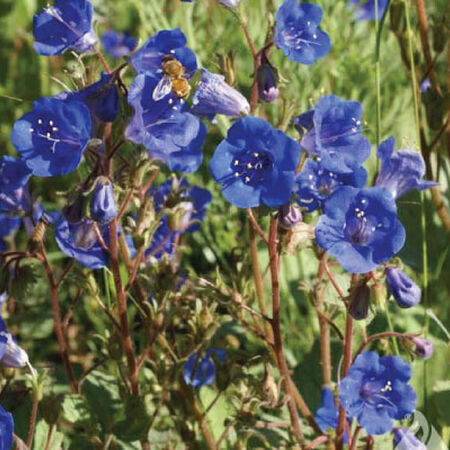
278 343
122 305
33 418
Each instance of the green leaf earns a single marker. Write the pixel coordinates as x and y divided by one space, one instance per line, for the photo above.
40 437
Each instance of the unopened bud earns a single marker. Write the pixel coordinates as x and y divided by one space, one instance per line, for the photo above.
267 79
12 355
50 408
269 386
115 347
103 205
289 216
440 37
398 17
360 302
406 293
423 347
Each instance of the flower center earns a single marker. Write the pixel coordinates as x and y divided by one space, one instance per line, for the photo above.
46 129
359 226
252 166
84 235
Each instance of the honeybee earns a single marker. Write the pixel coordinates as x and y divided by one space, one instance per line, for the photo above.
173 80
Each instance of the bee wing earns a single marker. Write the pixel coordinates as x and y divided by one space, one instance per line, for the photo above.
162 89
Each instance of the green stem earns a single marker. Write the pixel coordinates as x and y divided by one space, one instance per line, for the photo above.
391 329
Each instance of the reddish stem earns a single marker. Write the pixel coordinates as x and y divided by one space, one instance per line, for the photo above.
33 418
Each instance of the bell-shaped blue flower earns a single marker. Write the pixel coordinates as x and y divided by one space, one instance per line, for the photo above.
11 354
65 26
199 370
148 59
214 96
365 9
402 171
80 241
14 173
406 293
103 206
297 32
51 138
101 97
314 183
118 45
336 135
255 164
360 228
375 391
405 440
165 127
267 79
6 429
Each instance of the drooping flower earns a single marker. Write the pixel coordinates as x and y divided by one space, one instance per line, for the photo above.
66 25
336 135
6 429
14 173
423 348
80 241
406 293
188 203
360 228
375 391
402 171
199 370
314 184
51 138
148 59
165 127
214 96
11 354
118 45
255 164
297 32
405 440
365 9
103 206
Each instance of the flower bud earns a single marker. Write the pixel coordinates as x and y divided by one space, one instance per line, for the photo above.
406 293
12 355
50 408
267 79
405 440
398 17
289 216
440 35
103 206
423 347
360 301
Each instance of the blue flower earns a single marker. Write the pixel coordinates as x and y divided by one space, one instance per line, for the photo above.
314 183
103 206
255 164
289 216
304 122
365 10
328 414
66 25
118 45
200 371
14 173
267 79
8 225
148 59
51 138
401 171
405 440
11 355
360 228
101 97
375 391
336 136
190 202
6 429
215 96
16 200
406 293
298 34
165 127
80 241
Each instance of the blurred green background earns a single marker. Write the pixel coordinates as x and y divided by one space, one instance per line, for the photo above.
349 72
